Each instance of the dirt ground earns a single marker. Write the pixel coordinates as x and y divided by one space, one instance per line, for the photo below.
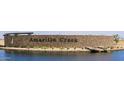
121 42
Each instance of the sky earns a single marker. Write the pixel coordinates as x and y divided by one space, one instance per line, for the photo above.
110 33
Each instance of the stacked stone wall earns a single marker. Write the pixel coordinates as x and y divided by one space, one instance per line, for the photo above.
68 41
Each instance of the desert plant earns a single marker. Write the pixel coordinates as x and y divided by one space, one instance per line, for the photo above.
52 48
67 48
74 48
116 38
61 48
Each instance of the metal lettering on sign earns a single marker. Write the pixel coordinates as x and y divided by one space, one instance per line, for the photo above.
69 40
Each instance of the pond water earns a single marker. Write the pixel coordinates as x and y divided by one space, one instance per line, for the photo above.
33 56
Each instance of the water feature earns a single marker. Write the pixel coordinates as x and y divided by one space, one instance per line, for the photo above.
33 56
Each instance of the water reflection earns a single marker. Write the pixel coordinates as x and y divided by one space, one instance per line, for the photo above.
60 56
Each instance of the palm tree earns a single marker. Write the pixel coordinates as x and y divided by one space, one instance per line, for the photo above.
116 38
